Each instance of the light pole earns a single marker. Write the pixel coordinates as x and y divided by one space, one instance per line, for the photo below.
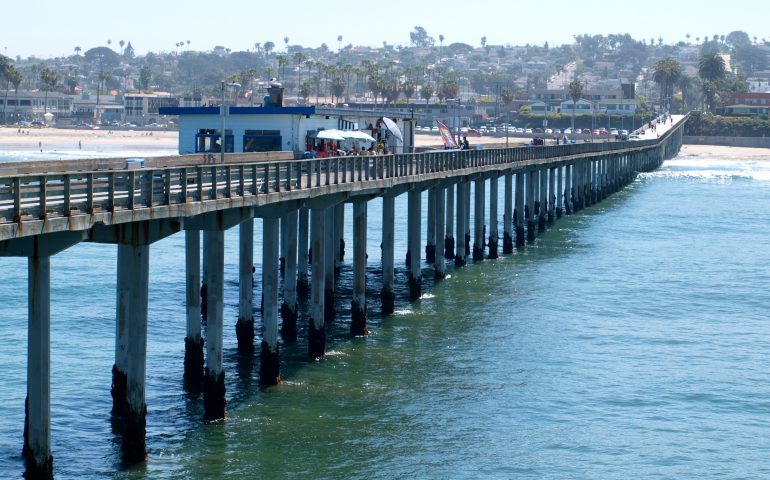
223 114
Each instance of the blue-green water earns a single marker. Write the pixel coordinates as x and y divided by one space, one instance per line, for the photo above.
631 341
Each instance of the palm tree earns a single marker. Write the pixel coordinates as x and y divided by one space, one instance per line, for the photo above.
483 41
5 72
687 36
50 79
426 91
575 93
667 73
109 42
440 45
121 43
78 50
16 79
269 46
339 41
711 69
282 62
286 42
299 57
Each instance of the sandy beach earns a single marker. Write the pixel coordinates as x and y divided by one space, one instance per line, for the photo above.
70 140
743 153
117 141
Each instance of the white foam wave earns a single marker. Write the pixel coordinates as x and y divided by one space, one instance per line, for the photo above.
714 169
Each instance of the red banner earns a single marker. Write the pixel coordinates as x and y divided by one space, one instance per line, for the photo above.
446 135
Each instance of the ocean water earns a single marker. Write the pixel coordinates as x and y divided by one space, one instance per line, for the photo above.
630 341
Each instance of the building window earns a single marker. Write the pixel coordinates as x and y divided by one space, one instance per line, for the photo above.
208 141
262 141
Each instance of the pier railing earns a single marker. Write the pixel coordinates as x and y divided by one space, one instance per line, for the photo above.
43 196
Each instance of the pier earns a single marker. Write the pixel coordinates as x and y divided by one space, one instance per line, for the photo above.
45 209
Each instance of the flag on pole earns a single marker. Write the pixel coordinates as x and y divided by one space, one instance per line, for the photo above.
446 135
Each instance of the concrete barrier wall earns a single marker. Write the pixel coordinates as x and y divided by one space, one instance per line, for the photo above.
754 142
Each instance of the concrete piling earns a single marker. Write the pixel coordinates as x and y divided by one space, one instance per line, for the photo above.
316 327
478 220
461 219
244 327
193 342
37 412
449 238
303 286
508 215
493 234
519 211
269 367
358 306
430 243
413 234
558 191
331 257
532 179
551 204
542 214
387 296
289 306
214 377
439 267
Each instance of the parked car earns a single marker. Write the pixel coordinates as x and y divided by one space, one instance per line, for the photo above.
586 131
567 131
634 138
528 130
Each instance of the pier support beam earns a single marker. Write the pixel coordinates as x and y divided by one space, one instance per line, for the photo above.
331 257
413 233
467 223
289 306
129 372
558 191
478 221
358 307
430 243
529 208
519 212
303 287
449 238
316 327
439 268
508 215
543 199
339 236
244 327
37 421
492 244
214 378
568 189
387 296
193 342
460 252
270 365
551 195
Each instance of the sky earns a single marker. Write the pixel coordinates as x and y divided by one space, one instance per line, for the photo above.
53 28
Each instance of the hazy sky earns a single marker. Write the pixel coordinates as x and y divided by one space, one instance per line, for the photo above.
48 28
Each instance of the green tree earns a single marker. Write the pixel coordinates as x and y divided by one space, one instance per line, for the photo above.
145 76
575 93
711 69
50 80
426 92
666 73
419 38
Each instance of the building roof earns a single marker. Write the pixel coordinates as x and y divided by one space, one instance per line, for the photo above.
237 110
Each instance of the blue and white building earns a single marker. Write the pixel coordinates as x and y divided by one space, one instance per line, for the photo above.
273 127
